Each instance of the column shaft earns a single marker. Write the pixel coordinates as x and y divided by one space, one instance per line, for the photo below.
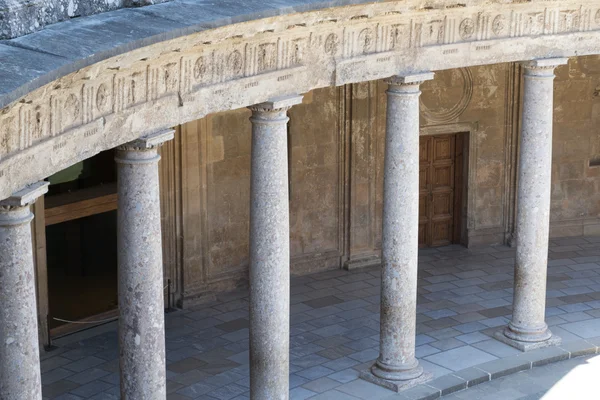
141 302
19 346
269 252
533 205
400 232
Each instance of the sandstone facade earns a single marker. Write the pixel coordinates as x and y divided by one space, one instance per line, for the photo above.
76 89
336 171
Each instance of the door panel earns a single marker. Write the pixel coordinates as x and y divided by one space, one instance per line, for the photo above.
443 148
436 194
442 176
441 233
442 206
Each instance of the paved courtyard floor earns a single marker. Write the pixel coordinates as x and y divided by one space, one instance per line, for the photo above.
464 297
572 379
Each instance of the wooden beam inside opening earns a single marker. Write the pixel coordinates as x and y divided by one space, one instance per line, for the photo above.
80 204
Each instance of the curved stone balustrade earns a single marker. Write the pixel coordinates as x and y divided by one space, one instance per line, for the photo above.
86 85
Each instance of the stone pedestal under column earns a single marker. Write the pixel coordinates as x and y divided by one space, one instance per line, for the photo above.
397 367
270 251
19 346
141 302
528 330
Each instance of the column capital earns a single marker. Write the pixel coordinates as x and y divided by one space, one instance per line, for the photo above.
149 142
25 196
543 66
282 103
410 80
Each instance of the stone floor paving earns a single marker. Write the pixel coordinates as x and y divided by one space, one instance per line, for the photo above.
464 296
572 379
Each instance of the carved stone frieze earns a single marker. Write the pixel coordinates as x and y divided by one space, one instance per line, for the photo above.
159 86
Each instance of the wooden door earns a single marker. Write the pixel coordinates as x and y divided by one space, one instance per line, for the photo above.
436 194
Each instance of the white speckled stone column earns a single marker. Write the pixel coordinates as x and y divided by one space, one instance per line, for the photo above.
528 328
270 251
19 344
141 302
400 244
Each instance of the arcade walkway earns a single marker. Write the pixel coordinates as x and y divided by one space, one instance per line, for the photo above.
464 297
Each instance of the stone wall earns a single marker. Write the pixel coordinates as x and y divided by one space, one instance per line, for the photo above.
575 208
317 160
336 158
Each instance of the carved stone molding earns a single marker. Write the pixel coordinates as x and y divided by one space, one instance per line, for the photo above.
409 80
278 105
149 142
159 86
543 67
24 197
450 115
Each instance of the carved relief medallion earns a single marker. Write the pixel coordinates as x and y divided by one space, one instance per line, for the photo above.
366 40
235 62
499 25
200 68
446 109
466 28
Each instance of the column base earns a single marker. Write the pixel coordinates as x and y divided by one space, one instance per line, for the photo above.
553 340
394 385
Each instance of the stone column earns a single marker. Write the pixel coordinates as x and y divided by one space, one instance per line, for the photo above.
397 368
270 251
528 330
141 302
19 345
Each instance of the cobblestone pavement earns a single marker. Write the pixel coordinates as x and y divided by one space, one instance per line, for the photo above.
573 379
464 297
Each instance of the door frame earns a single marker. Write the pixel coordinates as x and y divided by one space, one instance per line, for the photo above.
463 199
38 238
97 202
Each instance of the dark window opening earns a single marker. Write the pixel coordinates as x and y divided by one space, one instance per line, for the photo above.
81 241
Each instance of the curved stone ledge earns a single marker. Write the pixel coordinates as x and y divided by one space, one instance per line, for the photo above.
491 370
21 17
90 84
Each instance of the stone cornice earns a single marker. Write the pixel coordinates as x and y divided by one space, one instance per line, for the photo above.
25 196
543 67
413 79
158 86
149 142
280 104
